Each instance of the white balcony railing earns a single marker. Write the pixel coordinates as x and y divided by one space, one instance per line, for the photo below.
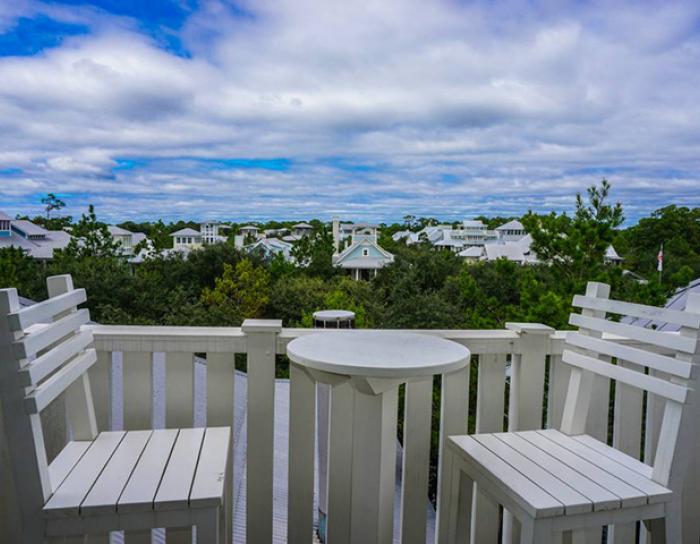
520 385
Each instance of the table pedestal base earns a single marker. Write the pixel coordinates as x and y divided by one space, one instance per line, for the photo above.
362 465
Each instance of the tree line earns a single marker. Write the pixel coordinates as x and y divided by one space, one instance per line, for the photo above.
423 288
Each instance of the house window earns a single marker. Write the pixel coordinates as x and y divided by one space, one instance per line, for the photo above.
365 252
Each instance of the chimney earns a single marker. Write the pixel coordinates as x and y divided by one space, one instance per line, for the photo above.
336 234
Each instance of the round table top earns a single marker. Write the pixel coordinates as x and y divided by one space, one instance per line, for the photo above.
378 354
333 315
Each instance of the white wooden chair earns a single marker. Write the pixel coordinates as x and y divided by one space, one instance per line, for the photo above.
100 482
562 482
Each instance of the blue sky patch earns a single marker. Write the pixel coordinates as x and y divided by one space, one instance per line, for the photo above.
31 36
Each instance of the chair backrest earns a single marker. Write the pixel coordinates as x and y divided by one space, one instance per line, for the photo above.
660 363
43 354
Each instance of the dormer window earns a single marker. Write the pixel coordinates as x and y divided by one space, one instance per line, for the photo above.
4 227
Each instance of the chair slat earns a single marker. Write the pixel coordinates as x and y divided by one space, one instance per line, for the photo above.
654 385
175 486
144 481
210 477
676 317
42 396
64 462
43 338
638 356
43 312
110 484
66 501
656 338
45 364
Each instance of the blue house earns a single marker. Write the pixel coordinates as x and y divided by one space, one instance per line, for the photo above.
363 257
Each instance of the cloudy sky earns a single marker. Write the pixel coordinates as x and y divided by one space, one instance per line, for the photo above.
367 109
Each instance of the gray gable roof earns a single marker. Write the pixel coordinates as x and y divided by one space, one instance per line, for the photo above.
186 232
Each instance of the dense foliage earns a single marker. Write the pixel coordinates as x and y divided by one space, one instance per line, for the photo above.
423 288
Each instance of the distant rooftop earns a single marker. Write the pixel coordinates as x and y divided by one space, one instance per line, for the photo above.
118 231
186 232
29 228
511 225
4 216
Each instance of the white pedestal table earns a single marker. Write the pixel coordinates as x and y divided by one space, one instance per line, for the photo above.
364 370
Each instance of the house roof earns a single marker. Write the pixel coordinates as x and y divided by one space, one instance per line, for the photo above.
39 249
249 227
302 226
612 255
118 231
4 216
473 252
511 225
677 301
473 224
29 228
186 232
511 251
346 259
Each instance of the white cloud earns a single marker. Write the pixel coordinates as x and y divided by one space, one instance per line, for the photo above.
518 104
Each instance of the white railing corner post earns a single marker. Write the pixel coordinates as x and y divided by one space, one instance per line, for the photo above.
261 341
527 375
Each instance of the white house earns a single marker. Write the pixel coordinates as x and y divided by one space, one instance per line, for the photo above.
35 240
213 232
186 239
127 240
302 229
364 256
249 231
512 231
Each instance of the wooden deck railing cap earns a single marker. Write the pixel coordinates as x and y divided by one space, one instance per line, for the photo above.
530 328
262 325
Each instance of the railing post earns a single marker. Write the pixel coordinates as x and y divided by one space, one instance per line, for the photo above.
526 395
261 345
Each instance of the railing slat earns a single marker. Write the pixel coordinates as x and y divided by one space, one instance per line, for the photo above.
489 418
302 411
179 390
101 384
416 461
454 414
220 389
559 375
261 341
221 378
137 369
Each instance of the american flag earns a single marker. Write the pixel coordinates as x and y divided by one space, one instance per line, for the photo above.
660 259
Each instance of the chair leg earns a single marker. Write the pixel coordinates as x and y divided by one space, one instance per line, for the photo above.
208 527
537 532
459 508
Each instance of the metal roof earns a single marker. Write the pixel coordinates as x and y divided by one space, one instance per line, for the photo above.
676 302
118 231
186 232
29 228
511 225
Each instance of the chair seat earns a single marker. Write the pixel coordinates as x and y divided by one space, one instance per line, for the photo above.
547 473
135 471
